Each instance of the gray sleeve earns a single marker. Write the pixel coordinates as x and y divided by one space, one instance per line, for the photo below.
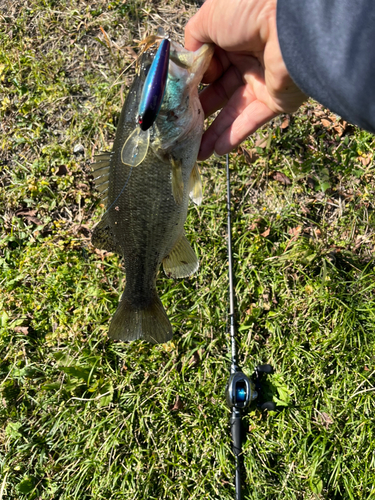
328 47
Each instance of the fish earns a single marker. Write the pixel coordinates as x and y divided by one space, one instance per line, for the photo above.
145 183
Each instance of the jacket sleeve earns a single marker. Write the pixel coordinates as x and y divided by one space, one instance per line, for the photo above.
328 47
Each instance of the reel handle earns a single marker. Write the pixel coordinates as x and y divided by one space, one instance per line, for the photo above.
259 372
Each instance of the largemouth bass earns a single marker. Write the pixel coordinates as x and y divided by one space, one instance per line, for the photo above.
146 181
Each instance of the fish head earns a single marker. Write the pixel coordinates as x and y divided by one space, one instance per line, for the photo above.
176 131
181 115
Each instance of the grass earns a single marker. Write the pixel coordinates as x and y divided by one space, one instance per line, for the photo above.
83 417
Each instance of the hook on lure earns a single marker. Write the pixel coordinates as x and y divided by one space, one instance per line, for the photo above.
136 147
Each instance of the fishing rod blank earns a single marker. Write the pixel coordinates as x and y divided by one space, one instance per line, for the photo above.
240 390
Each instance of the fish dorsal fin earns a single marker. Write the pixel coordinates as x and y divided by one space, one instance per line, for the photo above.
101 168
195 185
181 261
177 182
103 237
135 149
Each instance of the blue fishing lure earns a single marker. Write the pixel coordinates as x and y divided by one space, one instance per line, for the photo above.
154 87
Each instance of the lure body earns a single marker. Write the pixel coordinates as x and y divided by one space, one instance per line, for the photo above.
154 87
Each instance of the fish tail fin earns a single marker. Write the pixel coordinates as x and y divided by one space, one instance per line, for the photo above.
148 323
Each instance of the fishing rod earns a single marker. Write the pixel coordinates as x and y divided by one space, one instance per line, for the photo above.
240 390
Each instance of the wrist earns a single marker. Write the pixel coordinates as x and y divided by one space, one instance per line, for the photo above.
286 96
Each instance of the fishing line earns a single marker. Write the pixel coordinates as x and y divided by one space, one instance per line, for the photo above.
120 193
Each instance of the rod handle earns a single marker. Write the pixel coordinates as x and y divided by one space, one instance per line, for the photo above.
237 435
236 431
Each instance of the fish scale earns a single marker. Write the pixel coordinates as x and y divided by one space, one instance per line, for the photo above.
147 187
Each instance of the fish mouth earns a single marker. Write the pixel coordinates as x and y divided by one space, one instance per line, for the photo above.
196 63
183 63
193 61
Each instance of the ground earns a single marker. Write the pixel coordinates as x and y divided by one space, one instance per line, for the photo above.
83 417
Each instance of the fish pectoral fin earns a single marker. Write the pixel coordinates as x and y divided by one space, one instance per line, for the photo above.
177 182
181 261
135 149
148 323
103 237
195 185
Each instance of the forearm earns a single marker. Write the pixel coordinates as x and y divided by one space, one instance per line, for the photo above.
328 47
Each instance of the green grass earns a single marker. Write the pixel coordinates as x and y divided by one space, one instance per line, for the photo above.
83 417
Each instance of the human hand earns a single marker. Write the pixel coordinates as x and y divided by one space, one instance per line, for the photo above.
247 75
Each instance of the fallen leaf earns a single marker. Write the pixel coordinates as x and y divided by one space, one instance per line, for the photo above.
62 170
25 211
34 220
131 52
295 231
310 181
261 142
83 229
102 253
250 155
280 177
326 123
318 233
266 233
365 160
339 130
22 329
195 359
255 224
324 419
285 123
29 215
334 118
178 404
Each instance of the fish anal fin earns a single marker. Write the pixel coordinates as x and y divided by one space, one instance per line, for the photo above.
181 261
177 182
103 237
195 185
148 323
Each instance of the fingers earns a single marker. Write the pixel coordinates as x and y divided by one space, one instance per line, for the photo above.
248 77
242 116
218 65
246 103
216 95
196 30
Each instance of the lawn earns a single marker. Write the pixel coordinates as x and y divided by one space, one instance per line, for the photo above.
83 417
